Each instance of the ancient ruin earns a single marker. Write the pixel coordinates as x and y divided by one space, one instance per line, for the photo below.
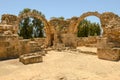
60 37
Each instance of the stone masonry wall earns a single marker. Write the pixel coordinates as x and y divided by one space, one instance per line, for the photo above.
90 41
12 47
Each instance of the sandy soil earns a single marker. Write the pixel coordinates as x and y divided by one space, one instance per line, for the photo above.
62 66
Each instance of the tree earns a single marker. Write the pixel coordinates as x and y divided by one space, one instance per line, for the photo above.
61 18
86 28
26 29
30 26
38 26
24 11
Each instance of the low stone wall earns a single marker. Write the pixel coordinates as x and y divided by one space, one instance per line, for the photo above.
41 41
12 46
70 40
87 41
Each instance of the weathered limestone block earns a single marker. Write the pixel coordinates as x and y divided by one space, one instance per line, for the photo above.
112 54
31 58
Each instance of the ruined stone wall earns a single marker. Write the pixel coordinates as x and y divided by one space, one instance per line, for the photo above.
70 40
111 26
109 20
109 45
9 46
90 41
61 33
72 24
9 22
41 41
12 47
60 25
8 19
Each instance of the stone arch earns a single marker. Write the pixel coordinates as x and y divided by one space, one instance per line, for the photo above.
47 27
73 27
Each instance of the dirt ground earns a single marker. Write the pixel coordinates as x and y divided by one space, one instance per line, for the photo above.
62 66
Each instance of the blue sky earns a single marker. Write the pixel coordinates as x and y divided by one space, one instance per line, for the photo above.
57 8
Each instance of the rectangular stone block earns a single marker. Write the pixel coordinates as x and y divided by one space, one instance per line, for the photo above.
112 54
30 58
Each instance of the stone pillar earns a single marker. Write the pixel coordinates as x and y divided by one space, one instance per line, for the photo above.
107 50
70 40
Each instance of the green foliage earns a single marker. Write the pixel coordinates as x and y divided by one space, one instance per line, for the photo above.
59 18
26 10
30 26
26 29
86 28
38 25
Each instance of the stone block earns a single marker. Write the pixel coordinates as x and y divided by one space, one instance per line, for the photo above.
112 54
30 58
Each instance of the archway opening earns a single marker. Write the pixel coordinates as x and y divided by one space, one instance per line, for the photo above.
31 27
90 26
